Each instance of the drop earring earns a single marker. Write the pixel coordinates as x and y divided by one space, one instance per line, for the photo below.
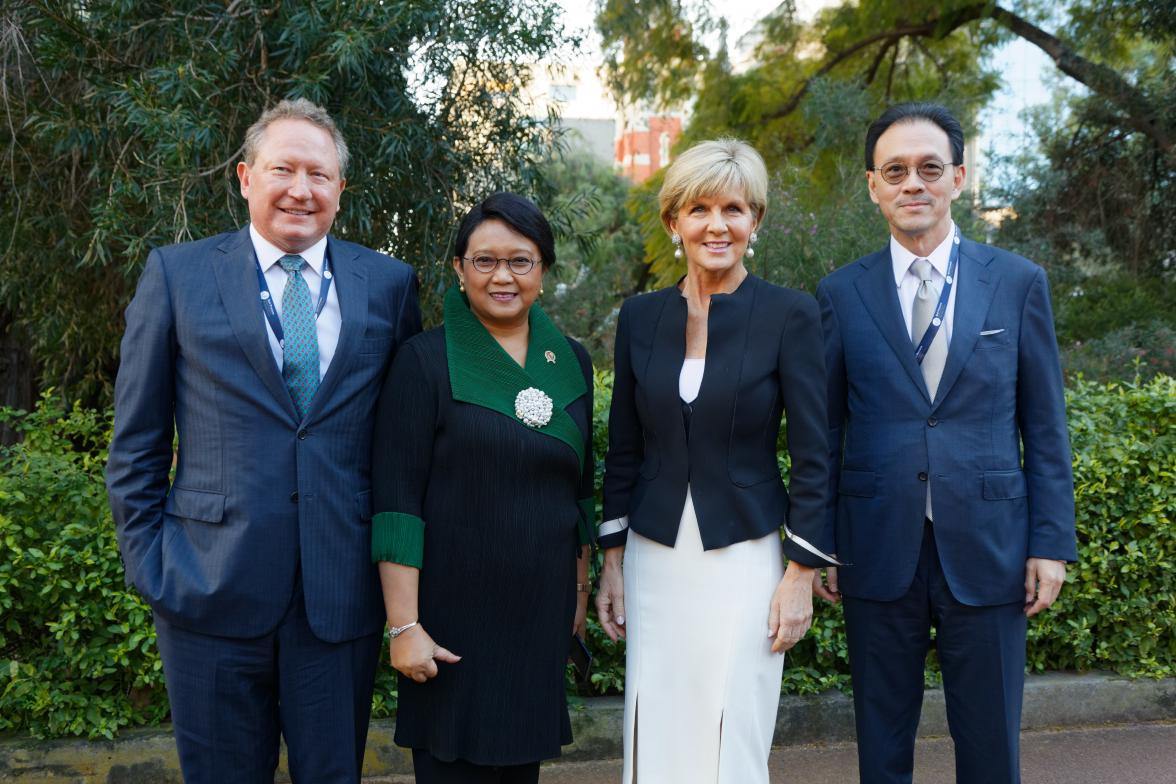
751 241
460 285
677 240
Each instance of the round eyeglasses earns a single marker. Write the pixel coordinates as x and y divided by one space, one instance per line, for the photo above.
895 173
519 265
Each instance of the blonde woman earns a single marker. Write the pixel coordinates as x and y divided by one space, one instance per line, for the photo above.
697 517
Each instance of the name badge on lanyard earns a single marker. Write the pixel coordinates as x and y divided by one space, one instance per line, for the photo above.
940 307
267 300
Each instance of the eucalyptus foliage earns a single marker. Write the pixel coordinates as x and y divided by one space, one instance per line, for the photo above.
599 252
123 122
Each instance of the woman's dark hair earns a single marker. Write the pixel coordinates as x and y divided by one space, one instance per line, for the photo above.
910 112
516 211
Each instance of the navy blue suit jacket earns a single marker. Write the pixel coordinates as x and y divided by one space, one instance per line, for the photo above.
257 494
993 443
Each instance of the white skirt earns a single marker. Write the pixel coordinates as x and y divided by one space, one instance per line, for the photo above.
702 685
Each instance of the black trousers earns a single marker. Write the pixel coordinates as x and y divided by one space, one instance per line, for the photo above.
981 654
231 698
430 770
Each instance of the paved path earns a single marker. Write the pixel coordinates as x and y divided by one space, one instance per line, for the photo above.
1124 754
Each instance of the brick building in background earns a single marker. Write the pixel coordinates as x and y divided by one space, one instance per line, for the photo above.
635 142
644 143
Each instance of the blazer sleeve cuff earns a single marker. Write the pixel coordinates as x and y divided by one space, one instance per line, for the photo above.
612 533
804 552
398 538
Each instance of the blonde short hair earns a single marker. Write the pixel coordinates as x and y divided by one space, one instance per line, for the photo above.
296 109
713 167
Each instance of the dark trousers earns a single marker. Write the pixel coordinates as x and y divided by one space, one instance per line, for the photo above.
981 655
430 770
231 698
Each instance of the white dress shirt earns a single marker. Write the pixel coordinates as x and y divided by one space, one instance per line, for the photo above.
329 321
908 282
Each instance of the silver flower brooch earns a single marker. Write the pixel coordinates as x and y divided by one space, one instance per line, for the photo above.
533 407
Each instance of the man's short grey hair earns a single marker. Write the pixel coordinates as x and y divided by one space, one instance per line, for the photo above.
296 109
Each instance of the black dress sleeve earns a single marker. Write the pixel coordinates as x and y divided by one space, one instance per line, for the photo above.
587 495
402 450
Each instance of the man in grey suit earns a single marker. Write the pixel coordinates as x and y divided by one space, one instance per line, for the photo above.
263 351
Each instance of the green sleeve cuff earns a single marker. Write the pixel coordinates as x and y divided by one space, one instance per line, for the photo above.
399 538
587 520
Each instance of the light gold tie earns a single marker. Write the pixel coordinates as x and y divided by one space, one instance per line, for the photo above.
926 298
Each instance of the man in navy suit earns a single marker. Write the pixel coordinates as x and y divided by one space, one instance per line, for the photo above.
952 493
262 350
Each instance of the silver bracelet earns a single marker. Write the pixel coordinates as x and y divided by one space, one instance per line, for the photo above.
396 631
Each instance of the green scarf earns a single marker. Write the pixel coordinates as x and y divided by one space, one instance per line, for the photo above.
482 373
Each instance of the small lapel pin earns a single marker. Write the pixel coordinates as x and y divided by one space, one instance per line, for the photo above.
550 356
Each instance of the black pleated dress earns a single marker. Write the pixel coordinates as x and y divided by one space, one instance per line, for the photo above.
500 504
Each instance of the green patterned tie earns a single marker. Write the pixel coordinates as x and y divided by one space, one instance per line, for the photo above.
300 353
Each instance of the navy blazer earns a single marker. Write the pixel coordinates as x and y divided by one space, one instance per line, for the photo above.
1000 395
763 358
258 495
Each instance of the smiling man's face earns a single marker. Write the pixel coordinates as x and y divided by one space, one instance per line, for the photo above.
918 211
293 184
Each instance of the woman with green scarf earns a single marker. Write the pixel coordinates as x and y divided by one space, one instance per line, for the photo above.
482 484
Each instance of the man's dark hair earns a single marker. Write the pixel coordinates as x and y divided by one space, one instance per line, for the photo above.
912 112
515 211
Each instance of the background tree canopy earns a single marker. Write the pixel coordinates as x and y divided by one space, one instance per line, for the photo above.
123 121
1093 203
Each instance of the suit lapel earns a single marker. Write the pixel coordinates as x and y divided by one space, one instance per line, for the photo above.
880 296
973 299
236 278
667 352
350 279
727 332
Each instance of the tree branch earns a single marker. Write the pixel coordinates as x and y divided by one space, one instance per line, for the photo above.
1141 114
874 66
930 28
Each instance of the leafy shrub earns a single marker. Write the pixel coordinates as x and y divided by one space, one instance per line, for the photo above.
1118 609
1139 350
79 648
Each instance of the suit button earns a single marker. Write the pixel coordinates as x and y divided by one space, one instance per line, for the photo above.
302 434
932 422
922 477
294 496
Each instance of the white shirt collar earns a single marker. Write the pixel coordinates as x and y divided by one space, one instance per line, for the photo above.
268 254
902 258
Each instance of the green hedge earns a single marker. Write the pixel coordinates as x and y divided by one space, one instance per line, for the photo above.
79 650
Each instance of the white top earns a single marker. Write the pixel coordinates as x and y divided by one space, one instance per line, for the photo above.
330 321
690 379
908 282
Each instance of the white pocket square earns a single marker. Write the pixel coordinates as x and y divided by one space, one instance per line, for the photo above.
984 332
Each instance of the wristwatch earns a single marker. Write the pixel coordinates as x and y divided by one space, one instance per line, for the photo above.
396 631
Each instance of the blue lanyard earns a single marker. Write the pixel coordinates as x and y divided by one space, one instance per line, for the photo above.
941 307
267 300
